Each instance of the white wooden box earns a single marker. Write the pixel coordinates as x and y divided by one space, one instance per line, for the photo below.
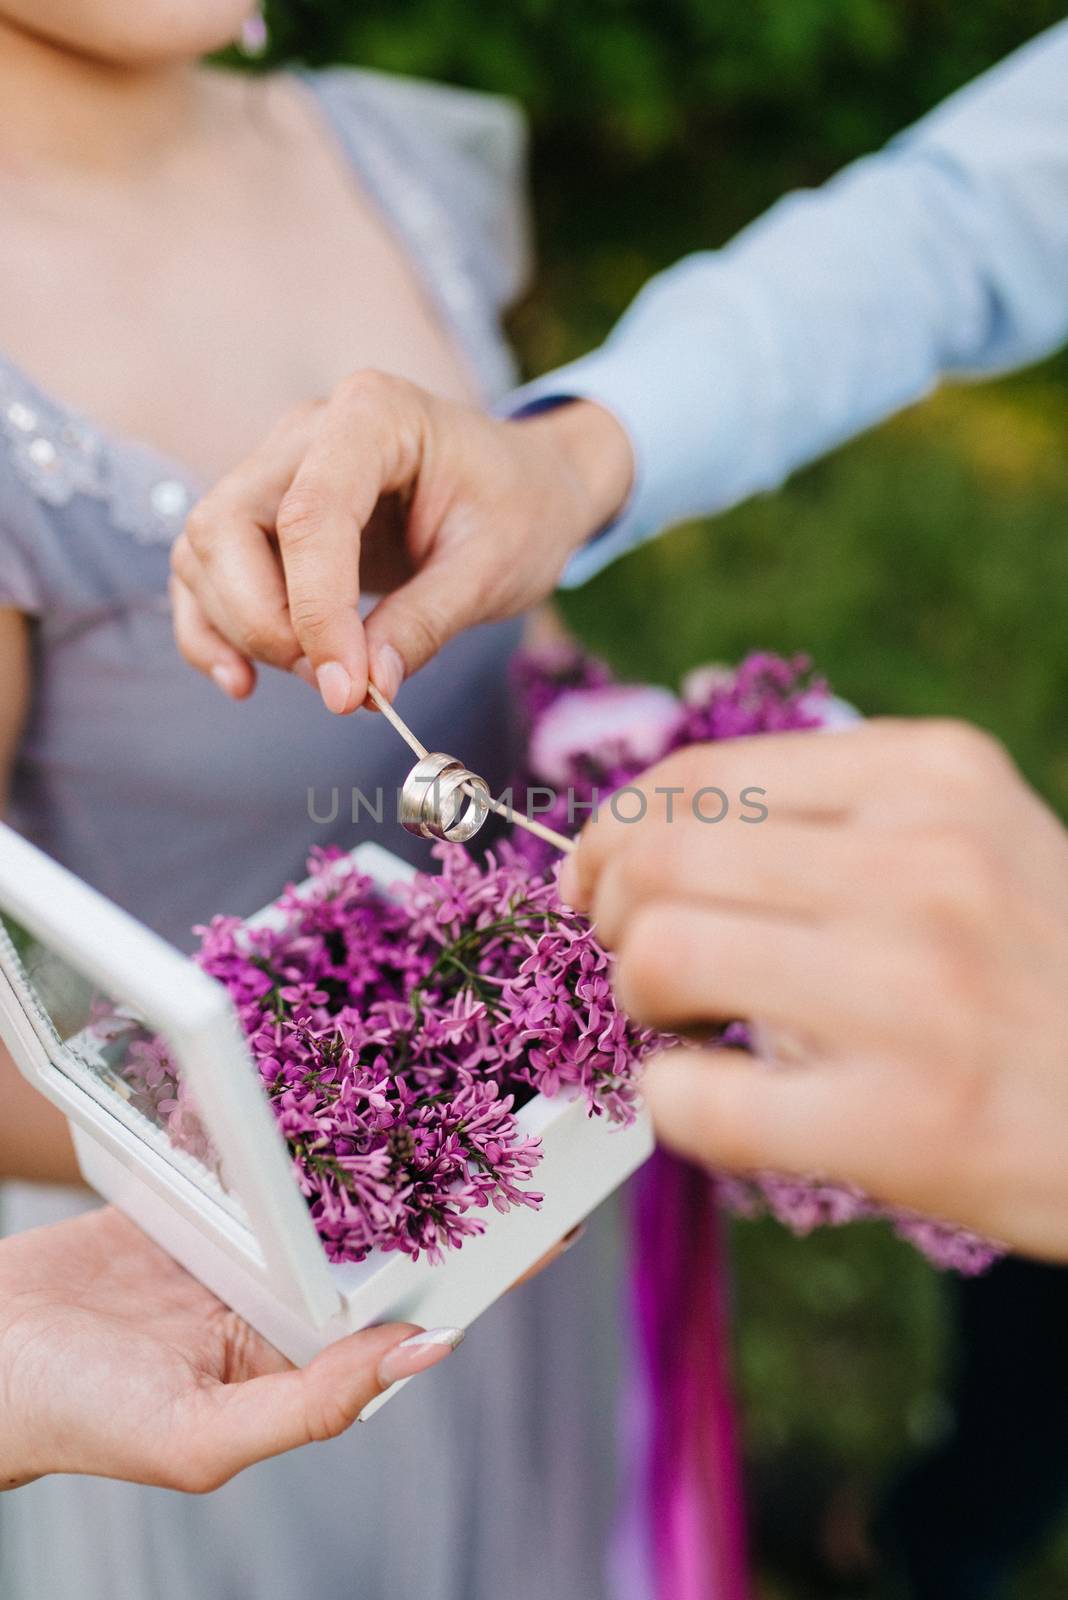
253 1242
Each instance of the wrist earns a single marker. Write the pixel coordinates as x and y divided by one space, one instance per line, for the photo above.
20 1446
598 456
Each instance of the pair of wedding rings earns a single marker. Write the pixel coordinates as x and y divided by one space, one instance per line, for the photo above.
441 799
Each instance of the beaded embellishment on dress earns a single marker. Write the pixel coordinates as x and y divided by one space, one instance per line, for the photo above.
59 455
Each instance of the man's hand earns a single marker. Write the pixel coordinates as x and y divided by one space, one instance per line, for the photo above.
455 517
115 1362
900 922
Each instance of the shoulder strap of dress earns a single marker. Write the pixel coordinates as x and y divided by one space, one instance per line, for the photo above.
426 154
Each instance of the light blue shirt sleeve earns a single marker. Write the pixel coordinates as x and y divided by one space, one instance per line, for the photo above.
946 254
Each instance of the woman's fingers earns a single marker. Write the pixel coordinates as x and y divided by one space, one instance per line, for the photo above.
233 1425
205 648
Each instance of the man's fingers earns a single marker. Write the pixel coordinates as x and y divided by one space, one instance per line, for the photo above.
890 770
226 555
859 1124
840 985
680 965
867 1122
793 775
244 594
205 648
785 867
369 444
409 626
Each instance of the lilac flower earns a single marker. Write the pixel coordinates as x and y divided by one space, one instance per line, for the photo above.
610 725
803 1205
160 1094
766 694
540 677
397 1038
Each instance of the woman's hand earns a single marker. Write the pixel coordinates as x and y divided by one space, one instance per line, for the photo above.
899 922
114 1361
455 517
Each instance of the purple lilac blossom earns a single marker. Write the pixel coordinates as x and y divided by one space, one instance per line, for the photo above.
396 1038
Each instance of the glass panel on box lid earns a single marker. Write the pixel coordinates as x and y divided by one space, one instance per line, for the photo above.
111 1054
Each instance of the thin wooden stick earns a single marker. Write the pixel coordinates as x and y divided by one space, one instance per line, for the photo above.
559 841
397 722
550 835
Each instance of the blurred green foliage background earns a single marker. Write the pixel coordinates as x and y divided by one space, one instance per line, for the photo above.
925 567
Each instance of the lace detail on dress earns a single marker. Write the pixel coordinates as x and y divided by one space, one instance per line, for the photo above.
59 455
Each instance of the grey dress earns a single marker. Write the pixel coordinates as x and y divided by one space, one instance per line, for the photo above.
492 1478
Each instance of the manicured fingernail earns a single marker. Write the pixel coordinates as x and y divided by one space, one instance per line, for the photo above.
302 669
335 686
417 1353
387 670
228 678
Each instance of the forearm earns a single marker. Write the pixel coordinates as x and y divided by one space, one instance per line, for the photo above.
945 254
35 1141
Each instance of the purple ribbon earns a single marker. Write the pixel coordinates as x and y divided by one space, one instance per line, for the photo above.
685 1523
